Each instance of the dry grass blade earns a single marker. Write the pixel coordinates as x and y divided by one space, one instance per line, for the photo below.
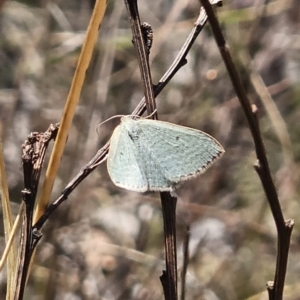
10 239
72 101
271 108
8 224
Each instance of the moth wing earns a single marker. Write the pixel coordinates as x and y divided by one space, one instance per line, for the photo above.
154 173
123 163
179 152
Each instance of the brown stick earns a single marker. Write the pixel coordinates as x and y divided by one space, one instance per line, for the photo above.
262 166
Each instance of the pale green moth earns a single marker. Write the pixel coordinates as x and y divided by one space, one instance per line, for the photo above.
150 155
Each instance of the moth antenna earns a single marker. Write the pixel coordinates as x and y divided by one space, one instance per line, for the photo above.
116 116
120 116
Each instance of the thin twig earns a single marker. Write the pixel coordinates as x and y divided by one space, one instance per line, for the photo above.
138 40
262 167
169 278
34 151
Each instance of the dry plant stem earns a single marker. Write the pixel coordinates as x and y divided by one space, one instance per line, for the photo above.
83 173
169 278
100 156
138 41
25 244
34 150
168 202
179 61
270 287
283 243
262 168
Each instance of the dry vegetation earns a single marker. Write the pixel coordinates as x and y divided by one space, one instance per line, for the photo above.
107 243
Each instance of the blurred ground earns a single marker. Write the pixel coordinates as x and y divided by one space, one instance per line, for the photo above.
107 243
